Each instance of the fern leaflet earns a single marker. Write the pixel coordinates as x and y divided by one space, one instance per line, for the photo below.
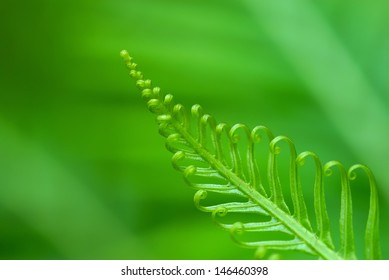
210 159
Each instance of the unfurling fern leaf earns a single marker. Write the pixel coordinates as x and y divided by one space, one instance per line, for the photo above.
212 167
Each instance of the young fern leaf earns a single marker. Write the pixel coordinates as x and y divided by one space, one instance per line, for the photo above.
212 168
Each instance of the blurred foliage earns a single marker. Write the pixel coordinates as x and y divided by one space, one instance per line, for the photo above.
83 173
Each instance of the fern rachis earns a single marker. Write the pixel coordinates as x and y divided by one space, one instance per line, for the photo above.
211 167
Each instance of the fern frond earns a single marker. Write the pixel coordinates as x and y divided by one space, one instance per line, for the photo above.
210 157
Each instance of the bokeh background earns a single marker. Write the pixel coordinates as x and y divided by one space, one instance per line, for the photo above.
83 171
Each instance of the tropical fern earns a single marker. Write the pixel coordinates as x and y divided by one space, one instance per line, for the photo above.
210 157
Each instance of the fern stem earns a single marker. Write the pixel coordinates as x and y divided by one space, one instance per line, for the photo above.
242 179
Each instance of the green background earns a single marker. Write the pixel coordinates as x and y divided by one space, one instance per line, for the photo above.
83 171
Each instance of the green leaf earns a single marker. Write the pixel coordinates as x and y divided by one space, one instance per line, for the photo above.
222 161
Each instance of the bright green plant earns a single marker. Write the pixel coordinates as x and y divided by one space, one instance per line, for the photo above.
222 160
